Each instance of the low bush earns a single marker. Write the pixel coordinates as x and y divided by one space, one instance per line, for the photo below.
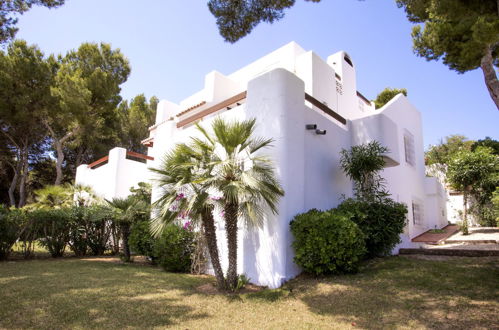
327 242
174 249
78 230
141 240
99 229
53 228
381 221
10 227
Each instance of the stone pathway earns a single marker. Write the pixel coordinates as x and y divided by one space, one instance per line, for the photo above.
478 235
481 242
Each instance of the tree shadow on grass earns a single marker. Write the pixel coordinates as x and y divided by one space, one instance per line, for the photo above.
70 293
401 292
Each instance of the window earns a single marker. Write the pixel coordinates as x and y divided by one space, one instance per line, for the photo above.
410 156
417 213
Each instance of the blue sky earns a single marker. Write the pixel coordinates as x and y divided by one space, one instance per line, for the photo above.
171 45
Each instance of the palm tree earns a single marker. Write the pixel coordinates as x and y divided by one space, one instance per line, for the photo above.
182 177
83 195
125 211
245 179
223 164
53 197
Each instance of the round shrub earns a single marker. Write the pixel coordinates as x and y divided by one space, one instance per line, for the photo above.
10 226
141 240
381 221
174 249
327 242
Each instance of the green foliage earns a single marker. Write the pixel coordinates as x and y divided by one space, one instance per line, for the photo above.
362 165
53 227
236 19
487 142
86 93
25 80
442 153
9 9
127 211
67 103
222 168
476 174
174 249
458 31
242 281
135 119
10 227
464 33
476 170
50 197
495 206
386 95
381 221
142 241
327 242
99 229
78 230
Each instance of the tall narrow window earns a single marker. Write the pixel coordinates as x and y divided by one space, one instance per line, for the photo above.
410 156
417 213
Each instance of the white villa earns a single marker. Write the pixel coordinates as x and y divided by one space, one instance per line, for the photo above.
312 109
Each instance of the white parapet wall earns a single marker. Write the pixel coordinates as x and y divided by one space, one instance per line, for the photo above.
114 176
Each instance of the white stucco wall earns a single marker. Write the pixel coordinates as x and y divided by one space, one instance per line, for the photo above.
115 178
307 164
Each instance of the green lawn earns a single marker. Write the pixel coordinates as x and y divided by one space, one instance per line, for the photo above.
395 292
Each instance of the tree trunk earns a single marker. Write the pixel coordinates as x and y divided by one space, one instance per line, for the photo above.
125 246
13 184
59 144
24 175
231 231
489 74
211 241
58 164
465 212
79 159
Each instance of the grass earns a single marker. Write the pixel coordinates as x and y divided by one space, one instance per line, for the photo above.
436 231
395 292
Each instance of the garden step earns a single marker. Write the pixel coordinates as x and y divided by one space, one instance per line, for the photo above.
436 238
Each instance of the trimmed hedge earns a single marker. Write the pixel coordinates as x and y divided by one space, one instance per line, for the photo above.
382 222
327 242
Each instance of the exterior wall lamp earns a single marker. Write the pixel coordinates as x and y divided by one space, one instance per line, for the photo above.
320 131
311 126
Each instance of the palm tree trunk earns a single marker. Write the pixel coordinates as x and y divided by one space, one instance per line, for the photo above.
125 246
231 232
211 241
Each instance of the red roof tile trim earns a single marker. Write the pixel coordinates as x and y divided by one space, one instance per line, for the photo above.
191 108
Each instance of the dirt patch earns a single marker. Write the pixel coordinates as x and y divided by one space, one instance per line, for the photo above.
211 289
